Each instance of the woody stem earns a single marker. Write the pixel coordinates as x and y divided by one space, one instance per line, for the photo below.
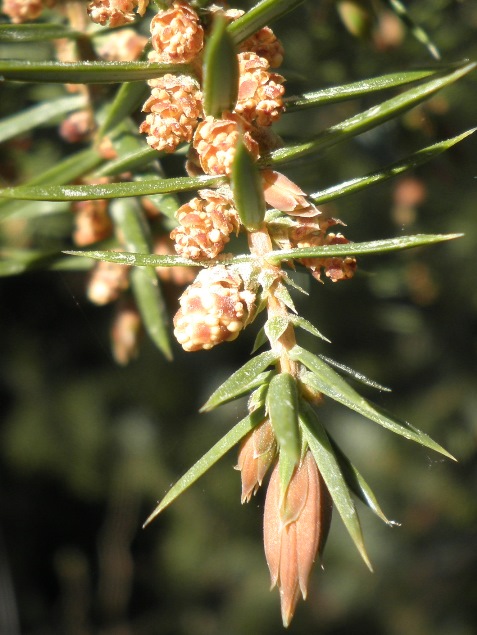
260 245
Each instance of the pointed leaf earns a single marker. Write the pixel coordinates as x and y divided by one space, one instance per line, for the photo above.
87 72
328 465
221 71
129 161
417 31
291 283
109 190
211 457
258 397
130 96
44 113
259 16
360 249
247 189
362 88
130 223
281 292
67 170
275 327
354 374
238 383
260 380
296 320
357 484
366 120
260 340
16 261
35 32
282 402
152 307
410 162
327 381
138 260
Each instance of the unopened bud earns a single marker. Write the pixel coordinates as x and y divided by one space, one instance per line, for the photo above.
214 309
108 280
125 333
216 140
115 12
206 223
77 127
295 530
260 92
173 111
176 33
286 196
256 454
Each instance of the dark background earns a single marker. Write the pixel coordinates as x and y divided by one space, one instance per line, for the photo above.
87 447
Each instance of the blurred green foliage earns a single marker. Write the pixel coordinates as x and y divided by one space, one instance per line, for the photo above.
87 447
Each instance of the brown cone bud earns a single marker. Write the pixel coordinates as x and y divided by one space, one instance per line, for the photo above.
256 454
92 222
174 107
205 225
108 280
77 127
286 196
176 34
213 309
216 139
265 44
295 531
122 46
22 10
260 92
126 332
115 12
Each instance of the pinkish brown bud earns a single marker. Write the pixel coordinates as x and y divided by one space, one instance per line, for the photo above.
92 221
286 196
176 34
265 44
215 141
115 12
256 454
22 10
260 92
108 280
214 309
206 223
126 332
174 108
122 46
295 530
77 127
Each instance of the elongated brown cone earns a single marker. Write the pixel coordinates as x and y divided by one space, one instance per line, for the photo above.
295 530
